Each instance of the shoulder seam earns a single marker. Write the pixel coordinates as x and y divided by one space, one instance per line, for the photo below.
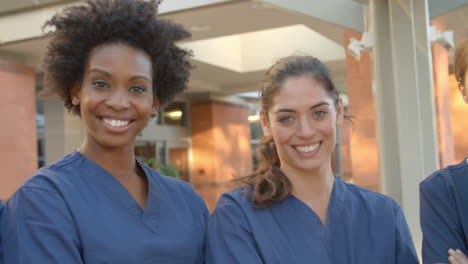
39 188
56 165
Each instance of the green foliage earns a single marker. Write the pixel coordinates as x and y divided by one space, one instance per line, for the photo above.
167 169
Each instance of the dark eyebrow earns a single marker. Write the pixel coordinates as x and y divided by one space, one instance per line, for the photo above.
319 104
140 77
101 71
282 110
132 78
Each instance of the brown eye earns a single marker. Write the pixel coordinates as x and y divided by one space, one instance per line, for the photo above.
100 84
138 89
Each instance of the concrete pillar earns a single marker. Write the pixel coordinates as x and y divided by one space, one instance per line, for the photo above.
220 147
18 139
404 101
440 65
64 132
364 150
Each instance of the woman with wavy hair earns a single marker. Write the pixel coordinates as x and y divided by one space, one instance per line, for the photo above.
292 209
443 196
113 63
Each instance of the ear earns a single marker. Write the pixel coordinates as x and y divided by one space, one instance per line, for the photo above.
265 124
75 93
463 91
155 104
339 113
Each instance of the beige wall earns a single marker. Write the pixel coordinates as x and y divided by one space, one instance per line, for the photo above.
64 132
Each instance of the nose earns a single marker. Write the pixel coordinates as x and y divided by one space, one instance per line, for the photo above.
305 128
118 100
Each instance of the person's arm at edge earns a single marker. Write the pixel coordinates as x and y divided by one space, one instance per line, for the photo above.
405 250
41 229
439 221
229 239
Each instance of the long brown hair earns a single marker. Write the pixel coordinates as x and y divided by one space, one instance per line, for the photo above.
461 61
268 183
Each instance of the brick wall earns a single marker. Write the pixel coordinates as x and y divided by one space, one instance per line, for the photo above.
18 139
220 147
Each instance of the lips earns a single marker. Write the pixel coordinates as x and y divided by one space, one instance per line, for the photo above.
115 125
307 148
116 122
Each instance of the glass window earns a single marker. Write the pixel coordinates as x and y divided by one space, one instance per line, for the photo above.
174 114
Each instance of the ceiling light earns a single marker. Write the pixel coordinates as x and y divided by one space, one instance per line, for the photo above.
254 118
176 115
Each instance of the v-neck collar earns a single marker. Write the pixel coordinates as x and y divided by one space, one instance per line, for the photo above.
117 191
335 205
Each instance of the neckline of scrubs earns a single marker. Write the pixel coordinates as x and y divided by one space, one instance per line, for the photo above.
117 191
335 205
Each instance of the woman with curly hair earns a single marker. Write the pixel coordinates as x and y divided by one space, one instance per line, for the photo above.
112 62
2 206
443 196
292 209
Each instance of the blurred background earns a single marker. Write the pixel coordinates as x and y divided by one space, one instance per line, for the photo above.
392 61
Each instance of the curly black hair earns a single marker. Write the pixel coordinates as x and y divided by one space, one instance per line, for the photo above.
78 29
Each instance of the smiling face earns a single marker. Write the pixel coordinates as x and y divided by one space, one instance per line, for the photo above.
115 96
302 121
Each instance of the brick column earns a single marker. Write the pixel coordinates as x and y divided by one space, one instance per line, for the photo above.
220 147
363 145
458 111
18 139
440 66
346 163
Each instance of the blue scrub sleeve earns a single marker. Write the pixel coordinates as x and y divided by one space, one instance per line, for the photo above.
440 222
229 239
405 250
41 229
2 228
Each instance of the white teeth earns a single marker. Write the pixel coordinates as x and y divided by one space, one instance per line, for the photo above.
116 123
306 149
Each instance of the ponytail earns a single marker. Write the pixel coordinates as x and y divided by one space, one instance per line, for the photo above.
269 184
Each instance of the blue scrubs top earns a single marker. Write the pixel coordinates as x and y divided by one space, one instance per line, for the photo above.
444 212
75 212
1 230
362 227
